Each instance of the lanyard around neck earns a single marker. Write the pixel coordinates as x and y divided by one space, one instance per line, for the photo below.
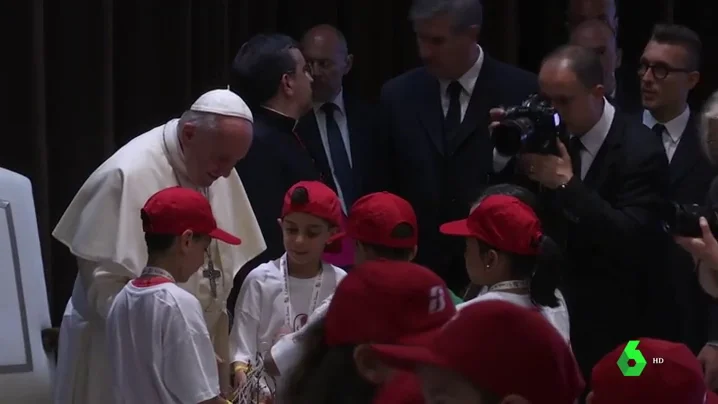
289 314
509 285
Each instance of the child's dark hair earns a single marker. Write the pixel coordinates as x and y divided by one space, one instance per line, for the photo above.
542 270
299 196
401 231
326 375
158 244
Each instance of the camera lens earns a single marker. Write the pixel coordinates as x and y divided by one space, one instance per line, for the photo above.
509 135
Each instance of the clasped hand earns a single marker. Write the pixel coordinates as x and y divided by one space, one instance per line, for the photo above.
704 250
548 170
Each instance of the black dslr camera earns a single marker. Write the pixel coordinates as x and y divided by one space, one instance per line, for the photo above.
531 127
683 220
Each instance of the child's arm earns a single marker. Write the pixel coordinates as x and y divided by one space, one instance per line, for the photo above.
243 336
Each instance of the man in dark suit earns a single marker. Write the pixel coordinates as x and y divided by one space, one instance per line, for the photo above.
597 34
270 73
668 72
435 119
607 195
339 129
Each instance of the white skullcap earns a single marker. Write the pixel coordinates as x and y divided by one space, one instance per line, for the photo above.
223 102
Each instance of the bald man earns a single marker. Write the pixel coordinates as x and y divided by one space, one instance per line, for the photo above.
582 10
597 34
339 128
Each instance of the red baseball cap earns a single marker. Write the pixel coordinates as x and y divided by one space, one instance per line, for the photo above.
678 378
387 302
321 202
373 218
175 210
503 222
403 387
502 348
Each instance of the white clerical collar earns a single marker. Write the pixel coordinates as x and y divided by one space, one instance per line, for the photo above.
674 127
173 148
468 79
338 101
593 139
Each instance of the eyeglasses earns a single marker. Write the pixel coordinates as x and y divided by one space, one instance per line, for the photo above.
660 70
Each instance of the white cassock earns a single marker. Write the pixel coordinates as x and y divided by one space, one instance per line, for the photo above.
103 229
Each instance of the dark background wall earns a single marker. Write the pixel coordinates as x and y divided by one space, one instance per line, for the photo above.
82 77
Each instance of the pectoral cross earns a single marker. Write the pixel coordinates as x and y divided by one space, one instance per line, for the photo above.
211 274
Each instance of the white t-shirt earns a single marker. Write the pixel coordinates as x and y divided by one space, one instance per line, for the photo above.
159 347
557 316
260 311
287 352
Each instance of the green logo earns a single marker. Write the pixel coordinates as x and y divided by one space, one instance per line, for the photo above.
630 352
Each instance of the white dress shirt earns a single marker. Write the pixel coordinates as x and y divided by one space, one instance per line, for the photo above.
591 140
340 116
467 81
673 132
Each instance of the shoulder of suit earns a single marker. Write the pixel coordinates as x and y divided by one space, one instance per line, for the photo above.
504 68
406 81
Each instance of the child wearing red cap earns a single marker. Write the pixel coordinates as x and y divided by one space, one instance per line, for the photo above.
157 339
492 352
507 252
674 377
392 302
383 226
278 297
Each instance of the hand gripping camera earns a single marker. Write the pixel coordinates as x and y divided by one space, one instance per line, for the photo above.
531 127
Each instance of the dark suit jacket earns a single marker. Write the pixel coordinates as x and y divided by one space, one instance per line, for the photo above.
276 161
361 121
616 282
442 179
690 177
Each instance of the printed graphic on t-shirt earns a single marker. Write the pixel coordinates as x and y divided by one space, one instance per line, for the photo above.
300 321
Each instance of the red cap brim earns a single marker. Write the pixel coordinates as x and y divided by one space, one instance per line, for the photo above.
711 398
334 244
405 357
456 228
222 235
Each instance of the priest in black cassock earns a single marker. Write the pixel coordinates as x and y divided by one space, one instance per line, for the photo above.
270 73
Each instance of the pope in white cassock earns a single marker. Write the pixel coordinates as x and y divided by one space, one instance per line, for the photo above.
102 228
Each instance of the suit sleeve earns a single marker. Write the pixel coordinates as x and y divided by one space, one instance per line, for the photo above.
262 179
384 142
639 200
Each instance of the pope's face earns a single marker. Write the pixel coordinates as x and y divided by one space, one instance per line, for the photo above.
211 153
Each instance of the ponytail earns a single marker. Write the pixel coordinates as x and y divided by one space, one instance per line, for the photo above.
546 276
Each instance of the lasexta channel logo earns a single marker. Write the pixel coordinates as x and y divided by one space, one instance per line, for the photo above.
631 353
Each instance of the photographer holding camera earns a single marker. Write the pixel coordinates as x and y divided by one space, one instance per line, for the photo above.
604 177
704 248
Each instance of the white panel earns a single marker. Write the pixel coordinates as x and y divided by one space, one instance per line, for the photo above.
25 369
15 355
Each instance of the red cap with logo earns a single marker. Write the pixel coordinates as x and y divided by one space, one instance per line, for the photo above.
387 302
503 222
373 219
502 348
173 211
322 202
678 378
